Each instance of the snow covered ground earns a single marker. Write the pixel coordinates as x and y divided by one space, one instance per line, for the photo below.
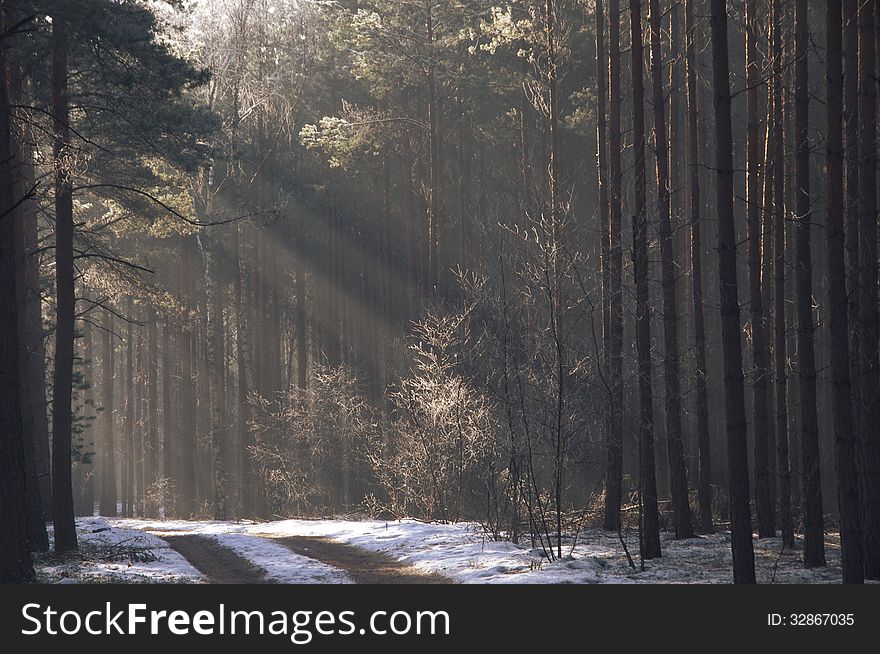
111 553
462 553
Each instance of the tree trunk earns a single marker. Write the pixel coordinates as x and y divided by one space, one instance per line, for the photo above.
614 469
108 459
650 522
671 366
851 154
814 547
32 360
62 386
604 224
735 410
16 565
216 376
869 337
129 453
85 477
704 486
786 522
249 483
151 444
167 421
763 501
186 487
845 440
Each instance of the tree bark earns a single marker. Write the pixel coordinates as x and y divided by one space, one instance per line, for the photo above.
108 459
167 420
814 547
32 359
62 386
151 444
845 440
650 519
869 336
764 509
671 367
735 410
186 488
786 521
614 462
704 485
16 565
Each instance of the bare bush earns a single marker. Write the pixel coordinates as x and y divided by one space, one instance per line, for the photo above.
306 443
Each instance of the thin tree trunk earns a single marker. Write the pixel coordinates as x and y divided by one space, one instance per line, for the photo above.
186 487
650 520
763 501
814 547
786 522
152 431
604 219
167 420
614 469
108 459
671 366
704 485
62 386
846 442
735 410
851 154
869 337
85 479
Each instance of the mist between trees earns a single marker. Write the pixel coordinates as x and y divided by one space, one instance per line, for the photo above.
541 265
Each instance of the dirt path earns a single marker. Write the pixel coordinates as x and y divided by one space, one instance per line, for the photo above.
219 564
365 567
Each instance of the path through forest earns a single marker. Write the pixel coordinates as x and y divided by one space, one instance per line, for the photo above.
221 565
365 567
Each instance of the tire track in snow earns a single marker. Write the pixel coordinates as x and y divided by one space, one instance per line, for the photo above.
219 564
363 566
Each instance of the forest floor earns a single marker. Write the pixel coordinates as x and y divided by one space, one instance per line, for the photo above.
407 551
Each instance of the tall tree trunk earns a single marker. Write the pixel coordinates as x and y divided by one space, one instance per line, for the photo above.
650 522
851 154
62 385
108 459
85 479
604 224
671 367
869 337
734 393
216 376
32 360
129 454
16 565
764 509
152 431
302 347
249 483
186 487
167 421
434 264
614 468
704 485
786 521
814 546
845 440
